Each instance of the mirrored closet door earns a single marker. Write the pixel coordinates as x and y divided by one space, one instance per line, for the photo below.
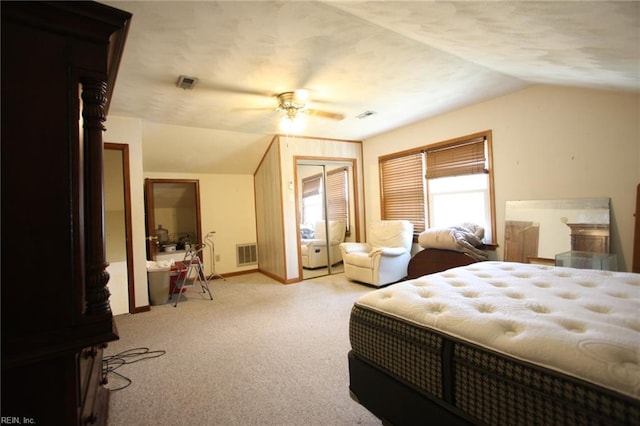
325 211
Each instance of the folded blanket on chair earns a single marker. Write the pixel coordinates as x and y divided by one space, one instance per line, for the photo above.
465 238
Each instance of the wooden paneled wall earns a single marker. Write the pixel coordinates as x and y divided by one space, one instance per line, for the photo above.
276 224
269 216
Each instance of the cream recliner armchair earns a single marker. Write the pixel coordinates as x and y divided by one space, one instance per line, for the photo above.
314 251
384 258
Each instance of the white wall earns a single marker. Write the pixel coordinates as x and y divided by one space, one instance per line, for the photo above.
226 201
128 131
548 143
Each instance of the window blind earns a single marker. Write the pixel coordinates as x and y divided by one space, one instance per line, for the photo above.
311 185
402 189
461 158
337 196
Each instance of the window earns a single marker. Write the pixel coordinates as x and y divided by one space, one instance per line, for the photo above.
440 185
312 202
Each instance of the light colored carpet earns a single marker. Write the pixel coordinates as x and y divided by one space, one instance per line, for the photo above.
308 274
260 353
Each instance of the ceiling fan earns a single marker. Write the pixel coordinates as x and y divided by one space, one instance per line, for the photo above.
295 108
293 104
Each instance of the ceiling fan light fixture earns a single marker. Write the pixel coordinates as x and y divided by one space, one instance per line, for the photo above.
289 101
292 124
293 105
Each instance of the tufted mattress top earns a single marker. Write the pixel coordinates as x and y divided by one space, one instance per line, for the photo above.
583 323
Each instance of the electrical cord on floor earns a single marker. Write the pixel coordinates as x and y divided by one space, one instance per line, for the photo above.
111 363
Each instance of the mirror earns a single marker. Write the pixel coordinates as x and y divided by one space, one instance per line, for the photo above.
537 230
173 217
326 214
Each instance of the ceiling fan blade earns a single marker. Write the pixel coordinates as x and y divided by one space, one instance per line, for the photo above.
253 109
218 87
325 114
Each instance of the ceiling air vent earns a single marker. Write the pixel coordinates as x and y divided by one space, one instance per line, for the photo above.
365 115
186 82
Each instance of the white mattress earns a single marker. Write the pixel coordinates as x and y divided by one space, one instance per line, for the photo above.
583 323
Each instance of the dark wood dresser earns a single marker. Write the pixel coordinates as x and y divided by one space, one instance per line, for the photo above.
59 63
590 237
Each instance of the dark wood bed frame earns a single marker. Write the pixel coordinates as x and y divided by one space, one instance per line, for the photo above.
431 260
396 403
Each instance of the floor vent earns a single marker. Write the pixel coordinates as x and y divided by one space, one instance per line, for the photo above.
247 254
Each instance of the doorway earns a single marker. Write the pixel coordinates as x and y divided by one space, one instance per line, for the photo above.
118 228
326 213
172 210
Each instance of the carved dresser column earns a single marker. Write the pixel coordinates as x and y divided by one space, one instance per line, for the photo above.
94 99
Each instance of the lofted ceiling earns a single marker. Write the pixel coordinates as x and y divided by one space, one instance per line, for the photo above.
405 61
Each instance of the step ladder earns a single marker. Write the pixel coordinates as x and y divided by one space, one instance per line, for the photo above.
191 273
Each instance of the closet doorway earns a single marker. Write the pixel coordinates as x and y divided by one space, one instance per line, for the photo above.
118 229
172 210
326 207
